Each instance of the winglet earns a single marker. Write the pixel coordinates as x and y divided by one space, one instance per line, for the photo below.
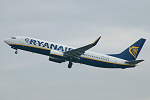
96 41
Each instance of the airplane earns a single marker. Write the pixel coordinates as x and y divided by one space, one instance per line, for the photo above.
61 53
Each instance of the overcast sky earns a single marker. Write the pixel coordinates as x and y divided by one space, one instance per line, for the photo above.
29 76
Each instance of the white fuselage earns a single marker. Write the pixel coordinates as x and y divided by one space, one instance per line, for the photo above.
42 47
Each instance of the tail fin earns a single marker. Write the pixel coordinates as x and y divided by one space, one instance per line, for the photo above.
131 52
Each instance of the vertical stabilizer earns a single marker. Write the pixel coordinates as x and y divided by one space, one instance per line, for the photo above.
131 52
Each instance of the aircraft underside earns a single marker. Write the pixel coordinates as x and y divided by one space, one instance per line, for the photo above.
82 60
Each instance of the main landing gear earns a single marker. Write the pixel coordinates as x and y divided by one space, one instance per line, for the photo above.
70 64
16 52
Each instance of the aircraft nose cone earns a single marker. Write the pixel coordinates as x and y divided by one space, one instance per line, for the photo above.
6 41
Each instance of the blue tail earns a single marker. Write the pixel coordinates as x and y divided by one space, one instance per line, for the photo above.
131 52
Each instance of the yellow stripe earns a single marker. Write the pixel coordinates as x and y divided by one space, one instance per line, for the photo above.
108 62
56 54
30 46
82 57
36 47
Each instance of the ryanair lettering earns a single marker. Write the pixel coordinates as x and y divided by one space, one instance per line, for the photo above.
47 45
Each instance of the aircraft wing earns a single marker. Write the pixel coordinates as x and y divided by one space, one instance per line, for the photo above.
79 51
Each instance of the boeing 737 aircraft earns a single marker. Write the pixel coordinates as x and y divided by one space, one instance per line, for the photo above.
61 53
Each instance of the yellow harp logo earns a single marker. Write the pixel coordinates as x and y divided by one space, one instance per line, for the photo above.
133 51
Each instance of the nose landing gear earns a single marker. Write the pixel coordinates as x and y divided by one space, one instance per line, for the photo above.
16 52
70 64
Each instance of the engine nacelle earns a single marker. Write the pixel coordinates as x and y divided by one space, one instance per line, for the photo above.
56 56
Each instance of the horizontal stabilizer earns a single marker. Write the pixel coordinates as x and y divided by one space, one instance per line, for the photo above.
134 62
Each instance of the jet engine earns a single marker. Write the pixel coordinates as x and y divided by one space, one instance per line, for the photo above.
56 56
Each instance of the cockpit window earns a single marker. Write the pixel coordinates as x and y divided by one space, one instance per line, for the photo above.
13 37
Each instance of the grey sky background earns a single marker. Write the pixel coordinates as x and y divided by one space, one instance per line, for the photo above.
29 76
